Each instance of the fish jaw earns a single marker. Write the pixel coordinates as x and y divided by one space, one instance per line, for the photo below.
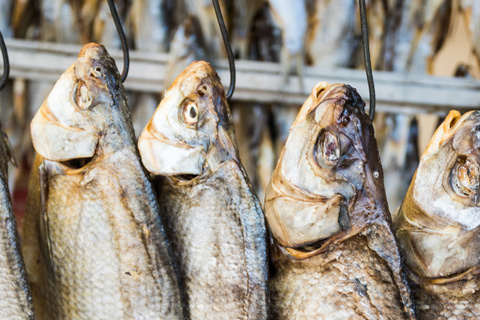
191 131
161 158
438 224
330 167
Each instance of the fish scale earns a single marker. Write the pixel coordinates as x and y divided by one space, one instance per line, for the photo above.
207 235
15 300
310 288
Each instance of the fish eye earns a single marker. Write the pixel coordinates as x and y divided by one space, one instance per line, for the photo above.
464 178
190 113
83 98
329 152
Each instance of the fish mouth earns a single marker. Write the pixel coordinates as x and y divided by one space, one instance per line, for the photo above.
77 163
185 178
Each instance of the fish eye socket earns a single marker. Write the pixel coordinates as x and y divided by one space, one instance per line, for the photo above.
83 98
190 113
464 178
328 149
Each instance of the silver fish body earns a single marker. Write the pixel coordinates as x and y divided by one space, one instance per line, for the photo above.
214 219
15 297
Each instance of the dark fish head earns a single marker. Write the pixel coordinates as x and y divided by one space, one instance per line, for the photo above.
439 220
328 178
191 132
81 106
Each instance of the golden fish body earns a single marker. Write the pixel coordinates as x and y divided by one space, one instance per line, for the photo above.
94 245
335 255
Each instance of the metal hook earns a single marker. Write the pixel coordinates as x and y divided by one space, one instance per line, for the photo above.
226 42
123 39
366 55
6 63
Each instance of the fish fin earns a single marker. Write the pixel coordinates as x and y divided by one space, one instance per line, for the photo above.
44 225
9 150
381 239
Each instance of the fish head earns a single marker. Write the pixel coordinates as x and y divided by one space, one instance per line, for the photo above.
191 132
76 113
328 178
439 219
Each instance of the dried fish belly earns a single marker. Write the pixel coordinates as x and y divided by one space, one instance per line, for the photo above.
438 224
94 246
213 217
335 255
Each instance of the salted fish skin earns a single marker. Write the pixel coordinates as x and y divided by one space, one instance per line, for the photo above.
232 235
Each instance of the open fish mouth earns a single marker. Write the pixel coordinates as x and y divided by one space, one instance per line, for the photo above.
185 177
77 163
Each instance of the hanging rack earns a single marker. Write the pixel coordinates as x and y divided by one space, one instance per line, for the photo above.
6 63
366 55
228 48
123 39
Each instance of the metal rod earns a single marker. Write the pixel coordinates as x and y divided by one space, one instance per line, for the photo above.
228 47
6 63
123 39
366 55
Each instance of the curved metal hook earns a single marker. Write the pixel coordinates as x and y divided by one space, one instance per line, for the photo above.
226 42
6 63
366 55
123 39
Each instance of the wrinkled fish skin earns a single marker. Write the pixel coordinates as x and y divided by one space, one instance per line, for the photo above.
15 297
335 255
214 220
438 224
95 249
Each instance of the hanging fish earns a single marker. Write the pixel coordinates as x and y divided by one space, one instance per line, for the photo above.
399 156
438 224
187 46
213 217
93 244
335 255
331 37
244 12
291 18
15 298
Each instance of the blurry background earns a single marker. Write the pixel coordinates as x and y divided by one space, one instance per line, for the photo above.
295 43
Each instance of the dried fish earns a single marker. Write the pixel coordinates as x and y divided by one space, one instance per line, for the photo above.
213 217
335 254
438 224
15 297
93 244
